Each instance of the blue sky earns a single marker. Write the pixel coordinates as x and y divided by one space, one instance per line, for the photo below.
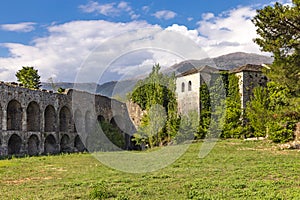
58 37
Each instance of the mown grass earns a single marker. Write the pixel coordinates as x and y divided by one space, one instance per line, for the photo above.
233 170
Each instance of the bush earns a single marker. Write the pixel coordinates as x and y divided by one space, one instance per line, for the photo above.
281 133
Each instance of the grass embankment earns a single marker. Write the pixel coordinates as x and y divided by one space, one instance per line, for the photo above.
233 170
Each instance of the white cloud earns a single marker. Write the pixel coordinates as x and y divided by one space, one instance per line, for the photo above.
109 9
20 27
146 9
61 53
71 45
207 16
104 9
229 32
165 14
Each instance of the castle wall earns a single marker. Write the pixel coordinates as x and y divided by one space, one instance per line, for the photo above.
248 80
39 122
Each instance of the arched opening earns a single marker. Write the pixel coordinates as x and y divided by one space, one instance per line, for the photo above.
64 119
117 122
14 144
50 146
88 122
14 115
100 119
190 86
78 144
33 145
182 87
33 117
78 121
64 144
50 119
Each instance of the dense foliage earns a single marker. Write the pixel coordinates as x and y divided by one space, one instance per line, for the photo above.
274 110
156 95
278 28
29 77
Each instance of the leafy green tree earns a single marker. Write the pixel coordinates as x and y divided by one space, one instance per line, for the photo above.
278 28
258 111
29 77
188 129
233 119
205 113
157 90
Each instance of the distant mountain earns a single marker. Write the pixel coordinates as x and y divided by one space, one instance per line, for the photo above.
119 89
226 62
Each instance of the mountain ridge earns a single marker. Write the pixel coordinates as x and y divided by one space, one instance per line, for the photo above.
114 88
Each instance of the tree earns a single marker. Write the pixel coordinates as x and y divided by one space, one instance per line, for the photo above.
156 91
29 77
278 28
257 111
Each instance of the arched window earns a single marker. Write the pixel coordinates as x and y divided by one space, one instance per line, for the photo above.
14 144
50 119
33 117
64 144
182 87
190 86
14 116
50 146
33 145
64 119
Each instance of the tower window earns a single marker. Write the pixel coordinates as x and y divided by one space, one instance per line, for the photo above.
190 86
182 87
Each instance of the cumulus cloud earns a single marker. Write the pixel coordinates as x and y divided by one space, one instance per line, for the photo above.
96 47
229 32
20 27
86 49
61 53
109 9
164 14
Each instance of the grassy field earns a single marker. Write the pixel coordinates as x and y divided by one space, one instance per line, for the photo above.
233 170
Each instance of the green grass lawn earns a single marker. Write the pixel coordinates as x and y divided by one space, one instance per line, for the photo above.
233 170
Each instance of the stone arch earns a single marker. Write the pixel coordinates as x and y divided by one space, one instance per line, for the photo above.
78 118
190 86
64 119
64 143
14 144
100 118
88 122
33 145
50 146
78 144
33 116
182 87
14 115
117 122
50 119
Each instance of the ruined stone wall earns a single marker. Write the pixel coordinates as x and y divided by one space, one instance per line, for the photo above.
39 122
248 80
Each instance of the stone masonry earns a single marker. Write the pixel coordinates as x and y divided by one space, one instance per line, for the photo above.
37 122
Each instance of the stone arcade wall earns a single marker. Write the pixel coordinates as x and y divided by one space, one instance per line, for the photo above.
39 122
